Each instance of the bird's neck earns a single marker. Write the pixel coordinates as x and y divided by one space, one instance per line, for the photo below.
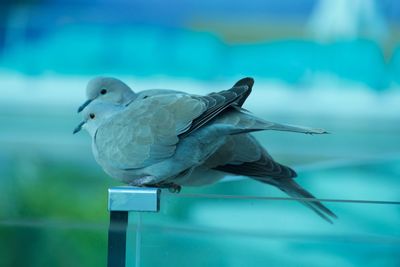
129 96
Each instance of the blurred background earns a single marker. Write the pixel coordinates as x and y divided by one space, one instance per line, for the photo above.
320 63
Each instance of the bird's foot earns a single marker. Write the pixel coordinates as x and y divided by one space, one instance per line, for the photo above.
173 188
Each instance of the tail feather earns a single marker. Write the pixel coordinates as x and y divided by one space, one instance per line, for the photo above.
273 126
247 122
290 187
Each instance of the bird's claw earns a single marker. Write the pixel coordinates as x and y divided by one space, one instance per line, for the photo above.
174 188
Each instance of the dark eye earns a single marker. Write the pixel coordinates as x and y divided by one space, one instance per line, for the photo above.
145 97
103 91
91 115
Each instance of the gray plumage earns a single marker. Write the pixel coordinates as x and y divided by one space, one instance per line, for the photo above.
172 139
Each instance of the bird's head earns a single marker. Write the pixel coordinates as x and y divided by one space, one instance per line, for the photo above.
107 89
94 115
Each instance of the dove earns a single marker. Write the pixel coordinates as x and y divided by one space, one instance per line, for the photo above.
112 90
175 139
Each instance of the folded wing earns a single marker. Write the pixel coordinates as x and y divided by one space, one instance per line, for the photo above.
148 131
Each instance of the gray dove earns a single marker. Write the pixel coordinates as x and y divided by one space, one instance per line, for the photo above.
112 90
172 139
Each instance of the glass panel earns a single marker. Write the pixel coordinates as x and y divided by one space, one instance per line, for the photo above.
133 239
202 227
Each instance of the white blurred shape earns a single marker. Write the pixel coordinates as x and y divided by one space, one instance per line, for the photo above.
347 19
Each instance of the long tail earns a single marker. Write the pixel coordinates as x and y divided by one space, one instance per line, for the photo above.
293 189
247 122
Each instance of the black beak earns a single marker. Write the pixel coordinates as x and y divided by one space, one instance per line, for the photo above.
79 127
83 106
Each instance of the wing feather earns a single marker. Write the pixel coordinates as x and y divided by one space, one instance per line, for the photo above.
243 155
146 132
216 104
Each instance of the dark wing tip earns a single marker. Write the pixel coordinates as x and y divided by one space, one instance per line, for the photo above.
248 82
245 81
293 173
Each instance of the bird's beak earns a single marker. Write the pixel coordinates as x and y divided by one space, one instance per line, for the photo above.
79 127
83 106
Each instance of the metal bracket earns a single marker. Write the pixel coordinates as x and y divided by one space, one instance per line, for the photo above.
129 198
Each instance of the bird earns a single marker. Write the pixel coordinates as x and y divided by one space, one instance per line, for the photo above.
169 139
112 90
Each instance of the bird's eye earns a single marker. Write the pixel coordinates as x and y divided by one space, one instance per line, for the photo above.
91 115
103 91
